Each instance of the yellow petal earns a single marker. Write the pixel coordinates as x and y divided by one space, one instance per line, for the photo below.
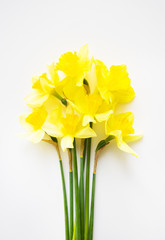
124 147
52 103
53 73
46 137
123 96
131 138
37 118
22 120
52 129
67 142
69 109
47 86
102 73
114 85
122 122
36 83
83 53
118 77
121 144
103 116
80 80
55 116
68 63
87 119
92 78
61 76
86 132
36 136
36 99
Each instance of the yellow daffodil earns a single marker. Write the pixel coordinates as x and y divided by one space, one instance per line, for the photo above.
67 126
75 66
33 123
114 85
44 88
120 126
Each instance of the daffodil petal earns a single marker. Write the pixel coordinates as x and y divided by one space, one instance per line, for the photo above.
46 137
74 106
22 120
52 103
67 142
124 147
131 138
36 136
103 116
53 73
36 82
36 99
122 121
83 53
124 96
92 78
46 86
86 132
80 81
52 130
87 119
69 109
61 75
121 144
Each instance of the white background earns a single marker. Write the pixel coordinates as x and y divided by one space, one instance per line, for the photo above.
130 192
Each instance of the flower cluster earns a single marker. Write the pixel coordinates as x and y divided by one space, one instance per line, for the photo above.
77 92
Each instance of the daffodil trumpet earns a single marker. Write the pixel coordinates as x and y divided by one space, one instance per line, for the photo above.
77 94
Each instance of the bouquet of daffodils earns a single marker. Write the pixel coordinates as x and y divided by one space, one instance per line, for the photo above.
78 93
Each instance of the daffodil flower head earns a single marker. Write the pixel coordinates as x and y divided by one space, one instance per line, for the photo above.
120 126
75 66
43 83
67 125
44 88
114 84
33 123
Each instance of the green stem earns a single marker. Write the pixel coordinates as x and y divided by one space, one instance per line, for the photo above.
87 187
84 154
74 232
65 202
77 203
82 194
92 208
71 203
71 191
